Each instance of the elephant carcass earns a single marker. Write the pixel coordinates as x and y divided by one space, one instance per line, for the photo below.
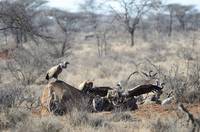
114 100
59 97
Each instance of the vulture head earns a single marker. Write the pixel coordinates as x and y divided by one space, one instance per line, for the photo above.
119 84
161 85
64 64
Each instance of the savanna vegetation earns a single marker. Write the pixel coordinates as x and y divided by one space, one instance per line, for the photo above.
104 42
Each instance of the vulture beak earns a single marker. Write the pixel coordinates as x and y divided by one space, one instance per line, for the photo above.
64 64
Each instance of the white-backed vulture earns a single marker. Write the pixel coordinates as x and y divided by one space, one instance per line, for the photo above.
56 70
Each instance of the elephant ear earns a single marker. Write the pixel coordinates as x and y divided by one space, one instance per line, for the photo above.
98 103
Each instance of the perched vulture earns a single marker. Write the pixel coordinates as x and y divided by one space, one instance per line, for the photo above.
143 89
56 70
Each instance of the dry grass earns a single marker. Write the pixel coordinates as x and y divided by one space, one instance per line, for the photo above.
82 121
175 59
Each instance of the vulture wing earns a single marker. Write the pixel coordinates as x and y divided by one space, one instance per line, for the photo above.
101 91
52 71
143 89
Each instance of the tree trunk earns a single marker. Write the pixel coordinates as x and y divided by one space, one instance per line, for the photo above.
170 25
182 24
18 42
63 47
25 37
105 44
98 45
6 37
132 37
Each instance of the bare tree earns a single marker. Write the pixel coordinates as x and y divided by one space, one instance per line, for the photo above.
91 7
26 66
17 17
68 24
131 13
103 35
171 9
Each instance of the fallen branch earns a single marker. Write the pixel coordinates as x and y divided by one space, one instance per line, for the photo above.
196 125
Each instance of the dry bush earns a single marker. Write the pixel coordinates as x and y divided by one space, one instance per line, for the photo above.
10 95
20 121
185 85
121 116
170 124
81 118
193 96
10 118
164 126
25 66
41 125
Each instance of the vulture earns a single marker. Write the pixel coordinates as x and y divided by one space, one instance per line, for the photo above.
56 70
85 86
101 91
143 89
88 88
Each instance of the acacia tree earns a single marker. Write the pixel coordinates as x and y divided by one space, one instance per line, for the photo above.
171 9
194 19
181 13
68 24
17 17
131 12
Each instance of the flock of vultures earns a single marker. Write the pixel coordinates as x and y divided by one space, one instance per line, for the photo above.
59 97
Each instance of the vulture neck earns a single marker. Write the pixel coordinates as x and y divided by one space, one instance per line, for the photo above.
62 66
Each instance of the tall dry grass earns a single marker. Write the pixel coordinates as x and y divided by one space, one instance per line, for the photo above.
176 60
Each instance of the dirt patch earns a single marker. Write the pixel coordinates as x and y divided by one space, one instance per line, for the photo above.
147 111
5 54
152 110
